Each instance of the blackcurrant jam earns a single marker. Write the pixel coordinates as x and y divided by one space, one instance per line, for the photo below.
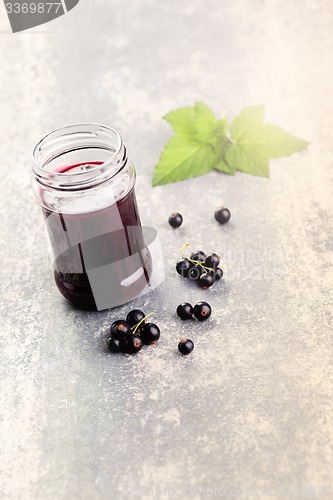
84 183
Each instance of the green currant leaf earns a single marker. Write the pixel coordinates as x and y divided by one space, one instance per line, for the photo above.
194 148
193 123
279 143
223 166
220 133
182 121
205 123
183 159
254 143
202 143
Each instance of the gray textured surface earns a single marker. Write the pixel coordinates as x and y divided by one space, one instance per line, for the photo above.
252 407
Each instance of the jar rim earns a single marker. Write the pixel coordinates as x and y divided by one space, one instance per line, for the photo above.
72 133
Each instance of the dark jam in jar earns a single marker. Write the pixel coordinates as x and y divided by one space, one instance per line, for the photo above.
100 258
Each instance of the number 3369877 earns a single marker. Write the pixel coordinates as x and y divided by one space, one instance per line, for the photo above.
33 8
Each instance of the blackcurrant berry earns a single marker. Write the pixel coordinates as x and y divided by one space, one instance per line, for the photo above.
131 344
185 346
113 345
119 329
212 260
195 273
222 215
202 311
183 266
199 255
218 274
206 280
185 310
134 317
175 220
150 333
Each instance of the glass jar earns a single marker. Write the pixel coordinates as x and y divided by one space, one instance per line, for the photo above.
84 182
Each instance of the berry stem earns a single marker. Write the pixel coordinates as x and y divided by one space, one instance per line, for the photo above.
141 321
196 262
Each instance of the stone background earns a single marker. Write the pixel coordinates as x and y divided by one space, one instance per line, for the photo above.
251 408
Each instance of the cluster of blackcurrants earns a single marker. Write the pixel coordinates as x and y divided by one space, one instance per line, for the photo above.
200 268
201 311
130 335
222 216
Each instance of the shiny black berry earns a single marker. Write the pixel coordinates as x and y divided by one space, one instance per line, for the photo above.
206 280
199 255
150 333
222 215
185 346
218 274
175 220
131 344
113 345
185 310
202 311
119 329
134 317
212 260
195 273
183 266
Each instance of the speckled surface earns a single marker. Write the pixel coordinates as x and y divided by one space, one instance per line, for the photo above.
250 411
